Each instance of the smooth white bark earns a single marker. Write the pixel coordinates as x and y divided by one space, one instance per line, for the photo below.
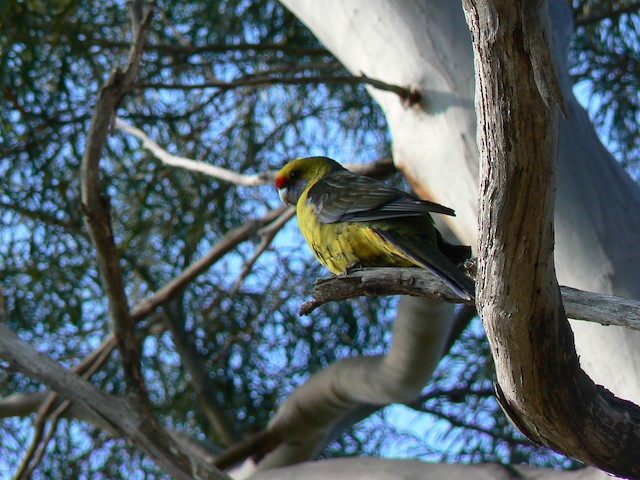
311 412
385 469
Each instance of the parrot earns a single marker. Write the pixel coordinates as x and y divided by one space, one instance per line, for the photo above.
350 220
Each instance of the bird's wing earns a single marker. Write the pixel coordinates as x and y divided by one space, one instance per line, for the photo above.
432 259
344 195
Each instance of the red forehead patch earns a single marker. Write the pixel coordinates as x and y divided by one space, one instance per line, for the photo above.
281 181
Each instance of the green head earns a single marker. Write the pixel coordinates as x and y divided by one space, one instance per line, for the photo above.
295 176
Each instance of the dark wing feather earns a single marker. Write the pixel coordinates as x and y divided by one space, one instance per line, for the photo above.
433 260
344 195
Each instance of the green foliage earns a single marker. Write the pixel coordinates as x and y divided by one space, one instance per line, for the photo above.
245 332
605 58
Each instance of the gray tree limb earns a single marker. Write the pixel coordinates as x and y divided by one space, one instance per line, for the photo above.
120 414
541 385
578 304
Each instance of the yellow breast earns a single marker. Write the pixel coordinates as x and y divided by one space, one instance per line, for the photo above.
344 244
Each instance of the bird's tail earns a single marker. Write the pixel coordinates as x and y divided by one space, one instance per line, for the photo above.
456 253
429 257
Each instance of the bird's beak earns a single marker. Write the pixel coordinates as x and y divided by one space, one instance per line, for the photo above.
283 193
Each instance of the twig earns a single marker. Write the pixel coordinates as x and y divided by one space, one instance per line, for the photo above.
31 458
226 243
268 233
379 281
456 422
409 95
192 165
248 265
379 169
38 445
96 358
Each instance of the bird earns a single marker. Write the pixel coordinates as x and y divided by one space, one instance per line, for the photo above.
350 220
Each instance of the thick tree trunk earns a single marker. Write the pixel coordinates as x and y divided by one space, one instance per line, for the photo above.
539 380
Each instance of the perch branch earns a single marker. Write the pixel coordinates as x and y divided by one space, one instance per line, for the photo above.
578 304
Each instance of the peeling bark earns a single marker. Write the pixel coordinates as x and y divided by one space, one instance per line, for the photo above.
541 385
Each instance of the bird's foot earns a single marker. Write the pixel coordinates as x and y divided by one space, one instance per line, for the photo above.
350 268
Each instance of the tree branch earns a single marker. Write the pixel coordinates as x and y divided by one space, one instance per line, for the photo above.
578 304
95 205
224 245
540 384
122 417
313 411
193 165
267 233
378 169
269 224
379 281
408 95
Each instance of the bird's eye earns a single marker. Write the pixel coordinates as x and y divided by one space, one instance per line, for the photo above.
294 175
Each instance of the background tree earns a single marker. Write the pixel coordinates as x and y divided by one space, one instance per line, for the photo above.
244 86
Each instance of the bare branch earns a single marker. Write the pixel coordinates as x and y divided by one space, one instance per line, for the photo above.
95 206
540 384
380 168
408 95
36 450
268 233
226 244
28 403
578 304
193 165
122 416
377 282
21 404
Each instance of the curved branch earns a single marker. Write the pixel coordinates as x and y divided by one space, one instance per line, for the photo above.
120 414
310 414
378 169
541 385
95 205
